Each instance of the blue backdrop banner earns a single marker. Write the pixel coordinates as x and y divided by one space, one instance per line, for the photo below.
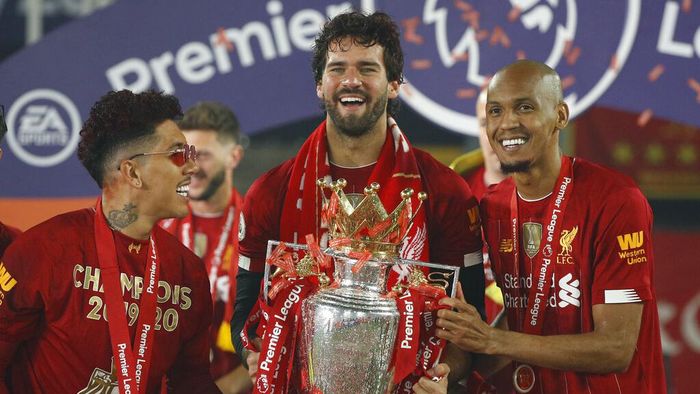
255 57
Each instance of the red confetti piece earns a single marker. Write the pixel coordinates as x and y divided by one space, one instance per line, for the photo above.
466 93
316 253
410 33
460 57
567 46
279 251
421 64
695 85
337 242
567 82
499 36
613 63
644 117
656 72
514 14
473 18
482 34
362 259
463 5
686 6
573 56
222 39
520 55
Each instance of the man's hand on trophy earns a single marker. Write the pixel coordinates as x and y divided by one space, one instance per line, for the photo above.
437 383
462 325
252 360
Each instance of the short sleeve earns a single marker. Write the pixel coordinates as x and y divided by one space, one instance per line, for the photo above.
623 258
262 208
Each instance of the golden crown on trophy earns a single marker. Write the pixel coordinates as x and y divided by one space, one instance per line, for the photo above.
361 223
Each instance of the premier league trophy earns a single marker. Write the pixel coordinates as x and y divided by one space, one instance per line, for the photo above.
348 329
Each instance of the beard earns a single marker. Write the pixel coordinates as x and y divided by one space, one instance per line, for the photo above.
518 166
355 125
214 184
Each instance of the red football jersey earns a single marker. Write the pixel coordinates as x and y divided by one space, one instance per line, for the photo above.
605 242
453 224
7 235
55 316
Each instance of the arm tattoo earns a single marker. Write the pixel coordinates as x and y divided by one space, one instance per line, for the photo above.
118 219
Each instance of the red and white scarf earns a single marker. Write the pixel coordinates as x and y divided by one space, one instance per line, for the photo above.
396 169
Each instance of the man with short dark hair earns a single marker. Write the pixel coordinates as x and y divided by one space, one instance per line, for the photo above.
357 65
211 229
570 246
72 272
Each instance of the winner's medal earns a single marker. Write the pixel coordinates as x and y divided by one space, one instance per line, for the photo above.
523 378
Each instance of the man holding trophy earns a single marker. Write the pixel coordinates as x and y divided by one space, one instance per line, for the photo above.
358 65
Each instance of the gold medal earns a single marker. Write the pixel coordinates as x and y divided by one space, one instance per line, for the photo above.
523 378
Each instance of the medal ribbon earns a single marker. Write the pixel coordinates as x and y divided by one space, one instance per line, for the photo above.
279 340
132 367
228 234
538 294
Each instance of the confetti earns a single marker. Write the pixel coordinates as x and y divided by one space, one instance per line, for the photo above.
514 14
695 85
466 93
613 63
460 57
520 54
686 6
410 27
482 34
222 39
644 117
568 44
421 64
568 81
573 56
656 72
473 18
499 37
463 5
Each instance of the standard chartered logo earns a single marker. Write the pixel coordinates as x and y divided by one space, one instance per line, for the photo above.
44 127
569 292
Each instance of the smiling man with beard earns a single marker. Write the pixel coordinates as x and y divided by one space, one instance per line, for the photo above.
357 66
210 229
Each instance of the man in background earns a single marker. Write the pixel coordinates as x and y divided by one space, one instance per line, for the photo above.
211 229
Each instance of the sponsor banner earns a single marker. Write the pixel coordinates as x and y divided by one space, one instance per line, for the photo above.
255 57
663 157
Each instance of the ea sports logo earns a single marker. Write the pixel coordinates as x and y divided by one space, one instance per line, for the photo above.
453 47
43 127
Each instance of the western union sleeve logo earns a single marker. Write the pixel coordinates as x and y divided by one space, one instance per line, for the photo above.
631 250
631 240
7 282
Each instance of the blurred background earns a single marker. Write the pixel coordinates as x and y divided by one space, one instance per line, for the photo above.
630 69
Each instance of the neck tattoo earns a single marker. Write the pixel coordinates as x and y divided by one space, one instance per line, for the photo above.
118 219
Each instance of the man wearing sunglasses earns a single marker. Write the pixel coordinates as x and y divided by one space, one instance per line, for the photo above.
72 272
212 227
7 233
